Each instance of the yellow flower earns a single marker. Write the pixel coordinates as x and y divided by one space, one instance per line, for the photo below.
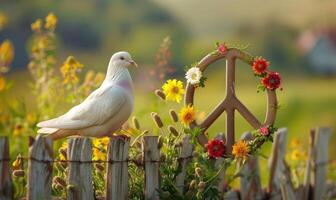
36 26
98 154
6 53
101 142
240 149
18 129
3 21
173 89
50 21
187 114
296 154
2 83
31 118
69 70
295 143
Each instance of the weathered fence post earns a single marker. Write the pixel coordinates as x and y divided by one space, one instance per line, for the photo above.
184 159
276 163
6 190
151 155
40 169
250 184
320 152
306 182
80 169
117 174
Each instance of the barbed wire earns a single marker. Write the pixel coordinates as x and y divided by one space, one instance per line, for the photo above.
179 159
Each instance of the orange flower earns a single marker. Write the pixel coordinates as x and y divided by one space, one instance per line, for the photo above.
240 149
187 114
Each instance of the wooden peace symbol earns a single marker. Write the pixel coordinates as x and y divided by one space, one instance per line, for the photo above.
230 103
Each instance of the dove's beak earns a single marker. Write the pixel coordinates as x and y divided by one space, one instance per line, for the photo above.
133 63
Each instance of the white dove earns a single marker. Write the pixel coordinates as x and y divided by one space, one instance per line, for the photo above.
104 111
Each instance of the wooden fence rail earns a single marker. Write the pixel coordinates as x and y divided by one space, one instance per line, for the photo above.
79 178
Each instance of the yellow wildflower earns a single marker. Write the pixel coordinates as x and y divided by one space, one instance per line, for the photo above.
295 143
3 21
31 118
240 149
2 83
98 154
6 53
187 114
101 142
69 70
63 149
173 89
296 154
18 128
36 26
50 21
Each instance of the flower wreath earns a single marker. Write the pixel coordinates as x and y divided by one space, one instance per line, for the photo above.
271 80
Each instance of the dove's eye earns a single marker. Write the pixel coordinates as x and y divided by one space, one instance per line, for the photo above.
122 58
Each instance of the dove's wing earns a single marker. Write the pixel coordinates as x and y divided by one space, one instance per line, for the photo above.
100 106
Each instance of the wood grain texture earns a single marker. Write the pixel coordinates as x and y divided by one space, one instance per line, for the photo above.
306 189
40 169
117 169
6 188
80 169
151 155
318 180
276 159
250 183
184 158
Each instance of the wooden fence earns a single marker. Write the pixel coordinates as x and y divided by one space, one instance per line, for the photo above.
40 168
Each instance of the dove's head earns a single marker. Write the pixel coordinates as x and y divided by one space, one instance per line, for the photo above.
122 59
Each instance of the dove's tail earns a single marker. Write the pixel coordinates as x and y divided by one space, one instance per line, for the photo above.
55 133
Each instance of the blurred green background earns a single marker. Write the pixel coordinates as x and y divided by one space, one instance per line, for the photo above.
298 37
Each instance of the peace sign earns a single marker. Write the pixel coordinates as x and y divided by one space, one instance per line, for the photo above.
230 103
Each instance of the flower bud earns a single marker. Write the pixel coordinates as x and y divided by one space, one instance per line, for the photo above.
198 171
70 187
192 184
160 142
160 94
136 123
138 160
162 157
195 154
100 167
173 130
59 181
201 186
17 164
18 173
173 115
157 120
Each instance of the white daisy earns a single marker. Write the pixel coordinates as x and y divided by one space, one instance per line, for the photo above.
193 75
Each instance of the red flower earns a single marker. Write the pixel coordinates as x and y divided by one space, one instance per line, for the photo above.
215 148
222 48
264 131
260 65
272 81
